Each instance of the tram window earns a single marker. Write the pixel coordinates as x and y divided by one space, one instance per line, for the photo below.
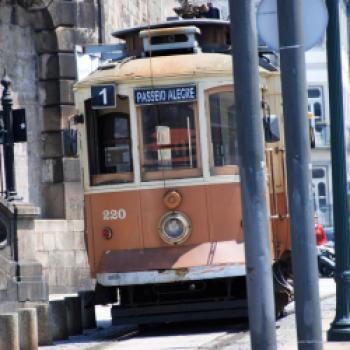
169 139
109 147
114 144
224 153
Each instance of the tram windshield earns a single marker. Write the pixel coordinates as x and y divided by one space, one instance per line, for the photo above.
169 139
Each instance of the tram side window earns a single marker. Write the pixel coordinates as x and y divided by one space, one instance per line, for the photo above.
110 154
224 152
170 142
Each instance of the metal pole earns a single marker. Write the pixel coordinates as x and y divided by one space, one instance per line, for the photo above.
304 258
340 328
253 175
11 193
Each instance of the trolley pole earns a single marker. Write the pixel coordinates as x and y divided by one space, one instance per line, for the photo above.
304 259
9 160
340 327
253 175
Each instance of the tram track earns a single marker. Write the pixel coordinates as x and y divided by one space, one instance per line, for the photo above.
172 332
112 342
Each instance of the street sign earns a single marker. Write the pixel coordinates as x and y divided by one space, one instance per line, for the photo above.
315 23
103 96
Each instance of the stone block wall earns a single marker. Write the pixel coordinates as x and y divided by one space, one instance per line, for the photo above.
70 23
126 14
60 248
18 57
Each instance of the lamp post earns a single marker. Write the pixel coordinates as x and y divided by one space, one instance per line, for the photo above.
304 259
253 175
8 140
340 327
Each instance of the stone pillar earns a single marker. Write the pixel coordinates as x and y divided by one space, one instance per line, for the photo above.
30 279
58 320
88 309
44 326
28 329
73 313
71 23
21 276
9 339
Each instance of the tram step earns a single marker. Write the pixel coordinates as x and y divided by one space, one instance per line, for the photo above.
179 312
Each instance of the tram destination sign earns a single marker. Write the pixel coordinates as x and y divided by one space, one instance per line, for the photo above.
103 96
169 94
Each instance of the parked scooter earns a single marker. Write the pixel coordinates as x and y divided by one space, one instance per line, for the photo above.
325 253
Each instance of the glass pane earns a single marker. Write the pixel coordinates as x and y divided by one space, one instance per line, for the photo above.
114 143
322 204
318 173
169 137
121 128
321 189
313 93
317 109
223 129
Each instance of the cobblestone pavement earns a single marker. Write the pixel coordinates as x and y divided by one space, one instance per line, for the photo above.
286 328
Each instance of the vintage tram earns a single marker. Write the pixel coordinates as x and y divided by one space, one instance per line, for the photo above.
161 177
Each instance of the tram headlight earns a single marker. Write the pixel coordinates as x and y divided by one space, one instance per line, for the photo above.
174 227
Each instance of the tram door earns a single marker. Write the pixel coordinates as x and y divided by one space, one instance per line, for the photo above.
320 195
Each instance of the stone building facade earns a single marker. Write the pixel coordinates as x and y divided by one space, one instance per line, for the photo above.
37 49
37 42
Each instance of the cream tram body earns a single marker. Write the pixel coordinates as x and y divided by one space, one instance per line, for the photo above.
125 203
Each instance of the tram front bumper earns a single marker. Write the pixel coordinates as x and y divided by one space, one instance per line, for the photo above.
208 260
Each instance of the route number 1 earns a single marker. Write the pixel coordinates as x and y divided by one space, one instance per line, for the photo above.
103 93
103 96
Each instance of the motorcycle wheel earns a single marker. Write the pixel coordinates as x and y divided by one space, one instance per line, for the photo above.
326 271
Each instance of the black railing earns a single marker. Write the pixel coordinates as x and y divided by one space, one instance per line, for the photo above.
7 141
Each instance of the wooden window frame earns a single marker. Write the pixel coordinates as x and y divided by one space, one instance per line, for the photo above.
93 157
217 170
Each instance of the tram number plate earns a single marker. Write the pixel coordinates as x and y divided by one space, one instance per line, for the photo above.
103 96
114 214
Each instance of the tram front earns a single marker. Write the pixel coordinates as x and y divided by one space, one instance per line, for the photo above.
161 179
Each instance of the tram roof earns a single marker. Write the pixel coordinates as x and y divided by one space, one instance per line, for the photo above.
163 67
179 66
